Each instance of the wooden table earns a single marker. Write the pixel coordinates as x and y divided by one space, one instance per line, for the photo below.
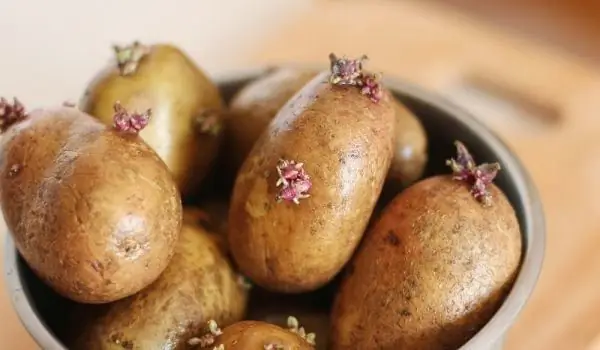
558 139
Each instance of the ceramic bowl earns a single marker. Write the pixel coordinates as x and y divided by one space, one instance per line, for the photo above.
43 314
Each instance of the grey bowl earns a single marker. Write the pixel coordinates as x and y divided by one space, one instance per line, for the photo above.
43 313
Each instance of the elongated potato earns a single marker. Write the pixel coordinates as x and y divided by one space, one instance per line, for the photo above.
330 141
199 285
92 209
255 105
435 267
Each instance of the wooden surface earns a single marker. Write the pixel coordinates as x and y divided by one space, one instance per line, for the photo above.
560 146
573 24
444 51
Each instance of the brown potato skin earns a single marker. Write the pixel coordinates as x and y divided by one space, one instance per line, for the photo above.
199 285
255 105
95 213
246 335
313 320
178 92
410 151
431 273
345 142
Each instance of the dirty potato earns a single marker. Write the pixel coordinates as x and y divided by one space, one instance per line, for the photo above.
92 209
306 191
198 285
435 267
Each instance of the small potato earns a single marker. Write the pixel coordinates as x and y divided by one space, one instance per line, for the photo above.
187 106
255 105
247 335
305 193
435 267
92 209
275 309
410 150
199 285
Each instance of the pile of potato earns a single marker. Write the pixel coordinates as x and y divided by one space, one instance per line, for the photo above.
178 221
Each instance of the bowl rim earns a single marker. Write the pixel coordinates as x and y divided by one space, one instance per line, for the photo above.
534 226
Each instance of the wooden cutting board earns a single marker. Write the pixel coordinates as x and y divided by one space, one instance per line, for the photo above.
543 102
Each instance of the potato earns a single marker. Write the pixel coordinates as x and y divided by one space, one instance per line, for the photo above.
93 211
275 309
187 106
246 335
332 142
434 269
255 105
410 151
199 285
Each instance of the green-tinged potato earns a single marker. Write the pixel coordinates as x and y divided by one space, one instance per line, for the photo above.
199 285
186 106
92 209
247 335
255 105
304 195
435 267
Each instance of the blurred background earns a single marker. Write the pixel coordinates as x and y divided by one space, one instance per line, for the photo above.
530 69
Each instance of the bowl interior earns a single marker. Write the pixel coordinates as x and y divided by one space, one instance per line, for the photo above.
444 123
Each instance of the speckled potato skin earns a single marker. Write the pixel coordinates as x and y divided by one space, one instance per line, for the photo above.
410 151
247 335
345 142
95 213
431 272
255 105
178 92
199 285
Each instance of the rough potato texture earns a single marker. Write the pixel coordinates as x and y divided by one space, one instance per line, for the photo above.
95 213
180 96
345 142
432 271
247 335
199 285
410 151
255 105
